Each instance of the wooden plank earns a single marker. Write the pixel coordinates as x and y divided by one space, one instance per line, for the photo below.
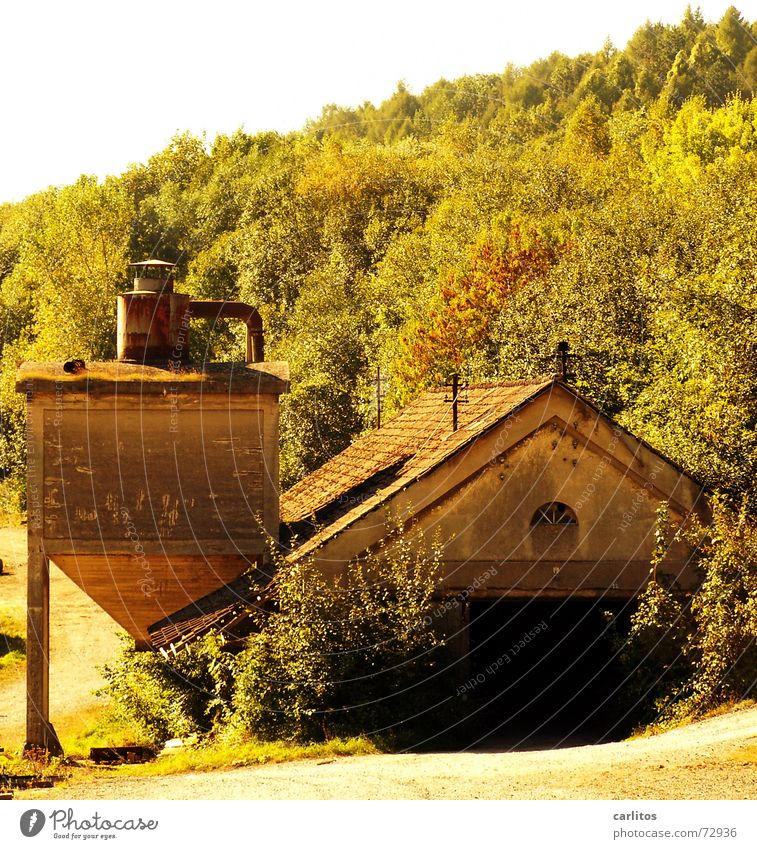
152 474
137 593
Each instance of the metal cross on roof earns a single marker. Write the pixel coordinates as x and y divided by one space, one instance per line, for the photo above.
457 387
562 352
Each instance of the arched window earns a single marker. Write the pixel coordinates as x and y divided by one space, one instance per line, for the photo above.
554 513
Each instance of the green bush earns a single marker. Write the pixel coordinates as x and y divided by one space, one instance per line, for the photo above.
688 653
724 609
162 699
357 657
332 659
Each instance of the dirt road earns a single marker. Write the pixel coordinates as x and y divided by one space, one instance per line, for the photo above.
714 759
82 638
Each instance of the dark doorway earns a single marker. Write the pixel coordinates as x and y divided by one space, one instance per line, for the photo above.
544 672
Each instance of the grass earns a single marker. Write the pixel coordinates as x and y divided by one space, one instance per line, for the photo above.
96 726
100 726
213 756
83 729
746 756
12 640
655 728
17 764
200 758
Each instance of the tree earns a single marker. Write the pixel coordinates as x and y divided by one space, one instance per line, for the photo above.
733 37
749 71
586 132
686 654
75 264
459 333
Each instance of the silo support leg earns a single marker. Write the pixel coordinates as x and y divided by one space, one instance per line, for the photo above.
40 734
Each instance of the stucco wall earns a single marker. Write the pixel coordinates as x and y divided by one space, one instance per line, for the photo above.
480 504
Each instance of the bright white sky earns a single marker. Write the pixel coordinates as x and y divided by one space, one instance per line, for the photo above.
89 86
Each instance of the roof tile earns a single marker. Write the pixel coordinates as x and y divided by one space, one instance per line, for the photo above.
412 443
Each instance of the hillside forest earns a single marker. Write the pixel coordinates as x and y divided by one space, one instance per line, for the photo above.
607 199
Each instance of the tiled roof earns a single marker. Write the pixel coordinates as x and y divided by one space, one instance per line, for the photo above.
228 611
408 446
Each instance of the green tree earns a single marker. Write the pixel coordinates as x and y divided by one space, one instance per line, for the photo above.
688 653
733 37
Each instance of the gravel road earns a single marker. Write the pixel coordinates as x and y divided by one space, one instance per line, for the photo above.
706 760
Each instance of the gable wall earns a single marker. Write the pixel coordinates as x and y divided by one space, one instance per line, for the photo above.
480 504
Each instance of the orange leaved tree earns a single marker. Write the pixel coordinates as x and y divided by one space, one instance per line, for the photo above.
460 328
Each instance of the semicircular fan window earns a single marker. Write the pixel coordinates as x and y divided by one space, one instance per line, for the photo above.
554 513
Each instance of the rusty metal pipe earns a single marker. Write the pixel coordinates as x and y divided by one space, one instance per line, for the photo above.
233 309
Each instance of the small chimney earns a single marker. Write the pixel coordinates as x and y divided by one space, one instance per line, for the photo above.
562 353
153 320
153 275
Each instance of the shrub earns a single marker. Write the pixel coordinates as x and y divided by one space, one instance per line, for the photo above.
161 699
353 657
688 653
333 658
724 609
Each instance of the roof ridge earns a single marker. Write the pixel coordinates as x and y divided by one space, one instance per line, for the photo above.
496 384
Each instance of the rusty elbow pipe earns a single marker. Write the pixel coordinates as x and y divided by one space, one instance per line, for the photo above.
233 309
